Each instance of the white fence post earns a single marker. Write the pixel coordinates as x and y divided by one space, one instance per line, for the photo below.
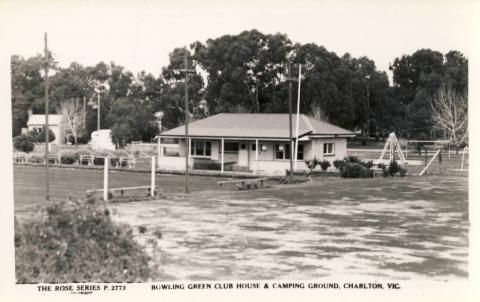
105 178
152 181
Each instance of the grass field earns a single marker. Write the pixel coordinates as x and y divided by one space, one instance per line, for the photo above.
387 228
29 183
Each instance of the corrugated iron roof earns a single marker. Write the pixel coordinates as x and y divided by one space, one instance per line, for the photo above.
39 119
255 125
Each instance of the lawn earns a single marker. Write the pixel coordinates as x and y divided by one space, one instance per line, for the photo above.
29 183
393 228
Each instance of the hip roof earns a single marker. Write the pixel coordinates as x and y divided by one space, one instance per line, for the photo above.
256 125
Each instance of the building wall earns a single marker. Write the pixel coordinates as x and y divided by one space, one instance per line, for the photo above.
340 148
182 148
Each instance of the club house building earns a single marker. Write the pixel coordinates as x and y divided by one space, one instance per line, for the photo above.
256 143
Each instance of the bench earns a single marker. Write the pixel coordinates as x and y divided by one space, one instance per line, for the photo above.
126 189
86 158
54 158
245 184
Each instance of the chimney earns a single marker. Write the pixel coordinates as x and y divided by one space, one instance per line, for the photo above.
30 113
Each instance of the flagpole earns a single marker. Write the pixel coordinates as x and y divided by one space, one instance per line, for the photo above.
290 120
298 116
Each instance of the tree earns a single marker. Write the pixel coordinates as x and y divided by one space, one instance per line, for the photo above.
327 84
244 70
418 77
131 119
27 89
73 113
369 91
39 136
450 112
23 143
172 87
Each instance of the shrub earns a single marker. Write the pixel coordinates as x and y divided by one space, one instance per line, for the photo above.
84 139
23 143
114 162
39 136
392 169
353 167
338 163
77 243
355 170
311 164
99 161
69 158
37 159
352 159
368 164
324 164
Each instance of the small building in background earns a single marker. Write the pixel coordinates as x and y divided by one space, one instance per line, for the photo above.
102 140
56 123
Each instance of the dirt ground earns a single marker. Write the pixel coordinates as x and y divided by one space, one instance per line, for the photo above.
383 228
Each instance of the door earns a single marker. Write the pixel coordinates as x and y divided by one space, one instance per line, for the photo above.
243 154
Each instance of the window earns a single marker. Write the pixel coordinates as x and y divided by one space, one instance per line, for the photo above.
200 148
230 147
328 149
279 152
243 146
300 152
282 151
254 147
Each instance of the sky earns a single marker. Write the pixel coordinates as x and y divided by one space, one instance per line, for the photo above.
140 34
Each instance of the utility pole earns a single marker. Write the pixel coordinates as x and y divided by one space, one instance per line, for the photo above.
47 184
290 79
187 117
367 126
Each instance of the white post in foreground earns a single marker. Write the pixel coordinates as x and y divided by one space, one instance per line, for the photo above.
105 178
152 180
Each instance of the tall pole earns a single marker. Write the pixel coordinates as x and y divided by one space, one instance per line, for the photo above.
367 109
368 113
98 112
187 178
47 185
187 117
105 178
290 118
298 115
